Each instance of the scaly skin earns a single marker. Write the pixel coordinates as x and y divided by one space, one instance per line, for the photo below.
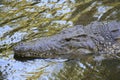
71 43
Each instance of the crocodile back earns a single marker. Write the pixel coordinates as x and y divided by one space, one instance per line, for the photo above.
109 31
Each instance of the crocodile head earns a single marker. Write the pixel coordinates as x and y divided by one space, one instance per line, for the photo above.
68 44
75 42
42 49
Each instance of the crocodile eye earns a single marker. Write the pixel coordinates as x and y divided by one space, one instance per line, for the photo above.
115 30
68 39
82 35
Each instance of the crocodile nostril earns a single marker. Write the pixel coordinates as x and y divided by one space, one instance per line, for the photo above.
21 43
15 48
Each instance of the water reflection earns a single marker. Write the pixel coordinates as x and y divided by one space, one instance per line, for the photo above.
111 69
78 70
24 20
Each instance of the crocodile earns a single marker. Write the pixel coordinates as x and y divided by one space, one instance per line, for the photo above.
95 38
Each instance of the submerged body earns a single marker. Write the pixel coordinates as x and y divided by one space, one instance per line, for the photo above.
96 38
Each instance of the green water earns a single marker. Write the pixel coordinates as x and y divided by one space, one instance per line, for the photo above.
27 20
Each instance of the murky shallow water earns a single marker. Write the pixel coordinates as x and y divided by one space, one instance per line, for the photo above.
34 69
14 29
